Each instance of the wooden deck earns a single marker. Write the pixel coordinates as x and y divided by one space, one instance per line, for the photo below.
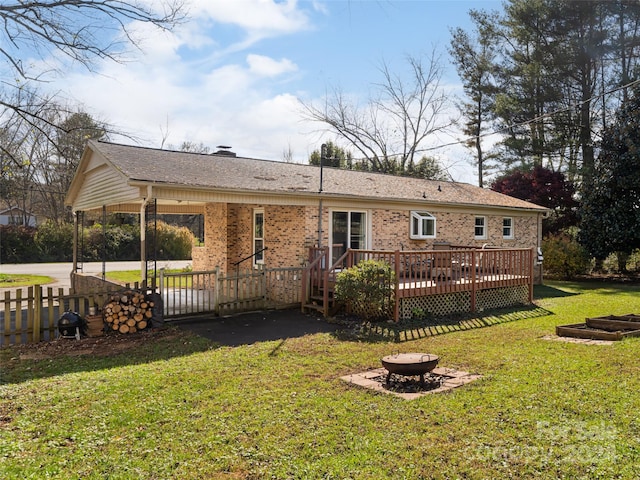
421 274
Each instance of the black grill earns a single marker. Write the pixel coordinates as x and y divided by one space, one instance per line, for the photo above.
72 325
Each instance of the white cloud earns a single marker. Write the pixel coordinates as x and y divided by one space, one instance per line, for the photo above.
186 85
255 20
268 67
223 77
256 16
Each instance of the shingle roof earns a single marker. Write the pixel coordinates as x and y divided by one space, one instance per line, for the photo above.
223 172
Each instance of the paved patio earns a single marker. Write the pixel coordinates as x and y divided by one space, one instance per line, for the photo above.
375 380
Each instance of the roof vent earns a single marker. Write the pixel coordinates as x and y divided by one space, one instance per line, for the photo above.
224 150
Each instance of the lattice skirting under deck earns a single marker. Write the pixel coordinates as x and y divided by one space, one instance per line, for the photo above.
460 302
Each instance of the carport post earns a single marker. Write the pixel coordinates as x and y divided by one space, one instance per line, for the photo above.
74 268
143 239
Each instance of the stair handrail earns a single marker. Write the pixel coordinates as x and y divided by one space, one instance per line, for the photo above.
327 271
307 272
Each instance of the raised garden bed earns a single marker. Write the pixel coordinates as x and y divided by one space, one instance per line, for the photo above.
611 327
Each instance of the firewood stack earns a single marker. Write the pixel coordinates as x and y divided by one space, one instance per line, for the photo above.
128 311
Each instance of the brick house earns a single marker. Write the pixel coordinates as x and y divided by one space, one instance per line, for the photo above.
251 204
270 213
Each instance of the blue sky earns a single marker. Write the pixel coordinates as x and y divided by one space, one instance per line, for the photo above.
235 72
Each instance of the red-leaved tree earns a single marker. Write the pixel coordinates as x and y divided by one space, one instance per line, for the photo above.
547 189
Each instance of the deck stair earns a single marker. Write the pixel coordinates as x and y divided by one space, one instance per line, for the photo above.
319 283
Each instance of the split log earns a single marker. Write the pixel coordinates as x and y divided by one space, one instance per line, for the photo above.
128 311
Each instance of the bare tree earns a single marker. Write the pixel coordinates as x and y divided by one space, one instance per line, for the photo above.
192 147
389 131
287 154
82 31
49 148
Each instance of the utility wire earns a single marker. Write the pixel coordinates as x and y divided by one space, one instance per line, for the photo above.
520 124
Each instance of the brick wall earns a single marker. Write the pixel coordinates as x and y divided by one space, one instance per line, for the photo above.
290 230
214 252
391 229
84 283
285 232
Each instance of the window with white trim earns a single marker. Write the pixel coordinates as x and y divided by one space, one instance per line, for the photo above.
423 225
507 227
258 237
480 229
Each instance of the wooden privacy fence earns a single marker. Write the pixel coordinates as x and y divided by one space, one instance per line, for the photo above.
31 314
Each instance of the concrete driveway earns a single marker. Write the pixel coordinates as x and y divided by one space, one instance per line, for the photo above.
61 272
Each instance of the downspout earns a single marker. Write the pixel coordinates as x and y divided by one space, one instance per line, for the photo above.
320 223
538 250
323 152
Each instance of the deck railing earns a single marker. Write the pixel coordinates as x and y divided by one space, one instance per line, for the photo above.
437 272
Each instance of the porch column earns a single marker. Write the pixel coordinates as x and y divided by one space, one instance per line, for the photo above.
143 232
74 268
143 238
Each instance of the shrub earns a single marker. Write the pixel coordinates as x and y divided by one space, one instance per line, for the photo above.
17 244
368 289
54 242
115 242
173 243
564 256
633 263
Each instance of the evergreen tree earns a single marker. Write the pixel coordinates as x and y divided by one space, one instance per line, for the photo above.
610 210
474 58
562 67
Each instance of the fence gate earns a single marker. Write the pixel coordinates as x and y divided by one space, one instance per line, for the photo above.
194 293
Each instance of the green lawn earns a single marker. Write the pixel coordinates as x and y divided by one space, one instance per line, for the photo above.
183 408
133 276
8 280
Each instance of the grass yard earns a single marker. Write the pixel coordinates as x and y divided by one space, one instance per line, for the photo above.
133 276
22 280
180 407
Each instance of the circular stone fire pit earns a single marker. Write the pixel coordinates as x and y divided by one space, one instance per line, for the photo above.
410 364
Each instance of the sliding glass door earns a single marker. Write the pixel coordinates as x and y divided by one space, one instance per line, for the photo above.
348 230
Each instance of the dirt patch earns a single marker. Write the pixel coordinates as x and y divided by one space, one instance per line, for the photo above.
103 346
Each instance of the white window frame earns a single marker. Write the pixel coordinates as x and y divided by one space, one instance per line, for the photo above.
258 258
482 236
367 228
508 235
417 223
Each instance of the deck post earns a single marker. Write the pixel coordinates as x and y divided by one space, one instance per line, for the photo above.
325 292
396 290
532 256
474 267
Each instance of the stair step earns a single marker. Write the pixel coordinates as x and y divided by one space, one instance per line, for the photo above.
320 298
312 306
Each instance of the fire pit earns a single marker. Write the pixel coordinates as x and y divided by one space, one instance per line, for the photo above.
410 364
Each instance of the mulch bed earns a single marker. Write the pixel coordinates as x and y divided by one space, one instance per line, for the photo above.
106 345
